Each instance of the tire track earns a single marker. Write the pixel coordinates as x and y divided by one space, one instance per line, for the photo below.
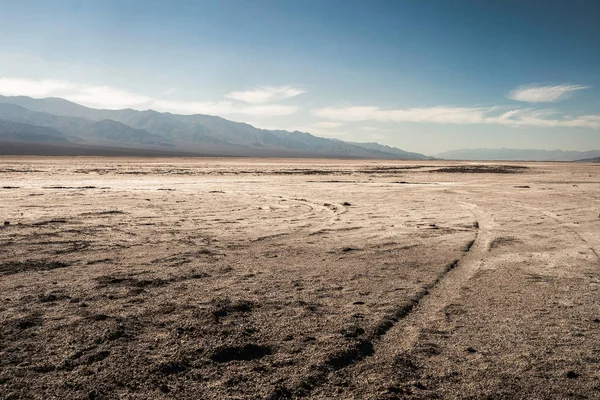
562 224
401 330
448 289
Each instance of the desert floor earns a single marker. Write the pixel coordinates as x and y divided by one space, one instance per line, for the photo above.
274 279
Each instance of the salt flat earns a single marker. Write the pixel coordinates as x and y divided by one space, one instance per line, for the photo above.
254 278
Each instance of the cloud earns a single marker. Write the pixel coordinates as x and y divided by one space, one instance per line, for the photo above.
545 119
114 98
328 124
461 115
544 94
89 95
324 128
30 87
265 94
329 133
259 103
448 115
224 108
105 97
376 136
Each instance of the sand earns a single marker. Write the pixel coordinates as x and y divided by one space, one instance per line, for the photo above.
126 278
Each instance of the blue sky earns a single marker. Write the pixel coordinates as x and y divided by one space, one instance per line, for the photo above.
424 75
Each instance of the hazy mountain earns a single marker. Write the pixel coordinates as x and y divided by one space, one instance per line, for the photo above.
199 129
82 130
392 150
66 125
594 160
196 133
118 132
517 155
55 106
31 133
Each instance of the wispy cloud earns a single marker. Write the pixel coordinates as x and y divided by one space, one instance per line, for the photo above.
461 115
104 97
265 94
30 87
328 124
544 119
261 103
101 96
544 94
89 95
376 136
329 133
224 108
324 128
447 115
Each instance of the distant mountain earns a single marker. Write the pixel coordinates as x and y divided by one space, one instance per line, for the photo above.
30 133
68 126
118 132
80 130
191 133
517 155
393 150
55 106
592 160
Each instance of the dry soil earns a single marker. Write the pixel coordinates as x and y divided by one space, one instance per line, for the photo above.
140 278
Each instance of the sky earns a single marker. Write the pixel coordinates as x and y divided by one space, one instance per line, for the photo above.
421 75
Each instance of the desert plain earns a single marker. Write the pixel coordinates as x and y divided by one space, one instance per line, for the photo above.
196 278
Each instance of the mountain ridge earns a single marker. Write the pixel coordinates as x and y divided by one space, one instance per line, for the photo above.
18 131
57 120
197 132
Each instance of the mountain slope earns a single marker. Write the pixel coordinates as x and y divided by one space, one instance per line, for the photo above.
393 150
592 160
16 113
82 130
57 106
183 132
30 133
198 129
517 155
116 131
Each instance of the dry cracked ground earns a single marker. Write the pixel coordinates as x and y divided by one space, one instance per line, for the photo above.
280 279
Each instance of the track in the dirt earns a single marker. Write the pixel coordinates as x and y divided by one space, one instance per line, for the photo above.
448 288
563 225
403 327
554 217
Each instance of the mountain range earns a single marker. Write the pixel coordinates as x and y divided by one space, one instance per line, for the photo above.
57 126
518 155
57 121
